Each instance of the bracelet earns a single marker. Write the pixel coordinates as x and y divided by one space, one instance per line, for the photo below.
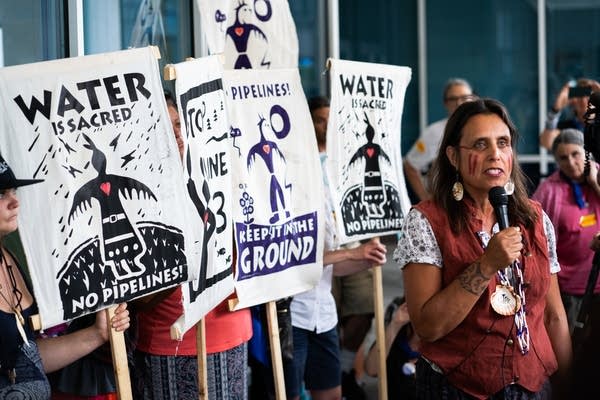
552 119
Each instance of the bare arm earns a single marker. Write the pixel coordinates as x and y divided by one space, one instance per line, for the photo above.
547 137
435 310
413 176
399 319
58 352
555 320
349 261
550 132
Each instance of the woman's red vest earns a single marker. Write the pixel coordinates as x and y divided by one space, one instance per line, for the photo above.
481 355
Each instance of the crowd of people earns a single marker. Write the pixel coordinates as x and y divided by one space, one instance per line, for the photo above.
496 284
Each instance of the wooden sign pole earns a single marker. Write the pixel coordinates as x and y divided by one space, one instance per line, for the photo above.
119 357
201 351
275 344
380 332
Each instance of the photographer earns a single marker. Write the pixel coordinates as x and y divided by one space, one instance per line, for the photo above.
577 97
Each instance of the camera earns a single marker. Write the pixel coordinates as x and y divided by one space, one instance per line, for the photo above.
592 126
579 91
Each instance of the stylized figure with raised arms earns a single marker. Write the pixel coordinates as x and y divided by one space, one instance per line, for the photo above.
122 245
373 194
240 32
265 149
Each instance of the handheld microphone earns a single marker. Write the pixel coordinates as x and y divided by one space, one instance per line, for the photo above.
499 199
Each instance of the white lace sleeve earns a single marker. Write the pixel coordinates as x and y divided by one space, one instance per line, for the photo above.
552 257
417 243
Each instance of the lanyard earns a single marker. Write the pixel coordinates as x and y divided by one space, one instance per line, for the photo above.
512 277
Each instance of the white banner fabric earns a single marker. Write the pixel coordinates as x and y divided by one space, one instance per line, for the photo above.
207 165
257 34
364 164
111 221
278 191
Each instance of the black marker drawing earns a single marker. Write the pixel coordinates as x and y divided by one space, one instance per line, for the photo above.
240 31
266 150
373 194
121 245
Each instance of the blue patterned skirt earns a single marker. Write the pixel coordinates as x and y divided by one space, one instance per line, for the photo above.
176 377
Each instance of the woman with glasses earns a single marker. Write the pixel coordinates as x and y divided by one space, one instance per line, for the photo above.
485 302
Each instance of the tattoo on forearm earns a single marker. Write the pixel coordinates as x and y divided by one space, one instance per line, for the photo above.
472 280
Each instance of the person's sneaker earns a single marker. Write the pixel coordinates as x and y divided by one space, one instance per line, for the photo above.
351 390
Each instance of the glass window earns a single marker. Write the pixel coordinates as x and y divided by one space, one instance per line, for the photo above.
309 17
573 39
31 31
494 47
109 26
384 32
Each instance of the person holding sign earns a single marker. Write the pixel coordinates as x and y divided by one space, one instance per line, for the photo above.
479 265
168 368
353 293
314 314
24 361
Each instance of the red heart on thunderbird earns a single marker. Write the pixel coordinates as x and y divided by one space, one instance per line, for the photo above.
105 187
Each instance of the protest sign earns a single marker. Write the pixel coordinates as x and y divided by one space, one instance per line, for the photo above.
364 166
207 165
111 221
251 34
278 189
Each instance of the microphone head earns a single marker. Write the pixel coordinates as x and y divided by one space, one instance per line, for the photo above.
497 196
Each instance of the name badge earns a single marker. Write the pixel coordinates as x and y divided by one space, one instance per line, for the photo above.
585 221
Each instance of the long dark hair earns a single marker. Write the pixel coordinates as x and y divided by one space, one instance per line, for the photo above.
443 173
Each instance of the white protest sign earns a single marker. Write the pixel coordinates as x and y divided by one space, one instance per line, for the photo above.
111 221
207 165
278 186
364 165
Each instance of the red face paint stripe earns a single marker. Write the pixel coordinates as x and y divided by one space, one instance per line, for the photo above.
473 160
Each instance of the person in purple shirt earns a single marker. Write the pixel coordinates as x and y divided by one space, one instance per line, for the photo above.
571 198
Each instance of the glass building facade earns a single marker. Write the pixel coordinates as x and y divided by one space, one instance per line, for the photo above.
520 52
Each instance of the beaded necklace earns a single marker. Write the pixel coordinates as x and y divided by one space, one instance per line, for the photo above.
511 279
